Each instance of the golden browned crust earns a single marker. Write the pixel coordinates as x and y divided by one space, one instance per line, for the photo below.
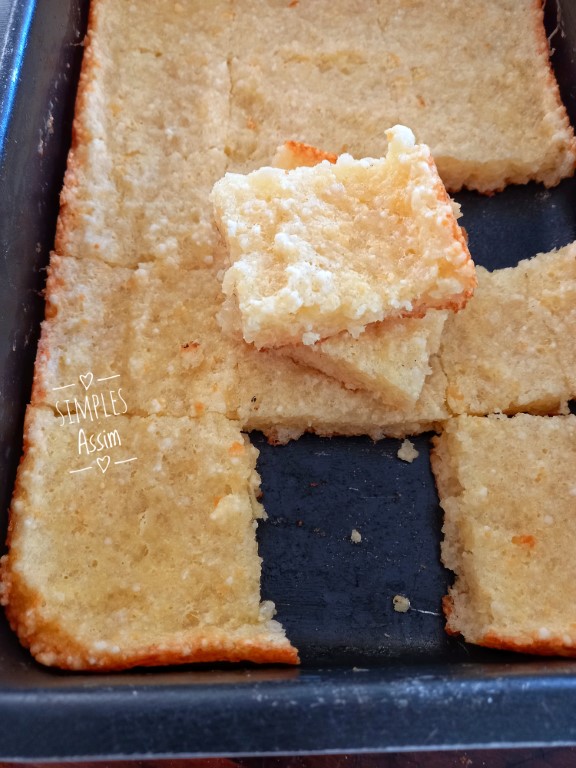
552 83
54 283
53 647
293 154
554 646
460 236
5 576
50 645
448 608
67 218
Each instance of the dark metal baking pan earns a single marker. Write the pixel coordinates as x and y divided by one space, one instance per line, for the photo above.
371 679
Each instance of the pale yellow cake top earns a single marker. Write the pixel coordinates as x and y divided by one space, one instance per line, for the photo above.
511 349
133 542
315 251
471 78
507 489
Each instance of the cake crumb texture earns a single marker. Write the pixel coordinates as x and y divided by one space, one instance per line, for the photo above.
512 348
150 561
507 489
319 250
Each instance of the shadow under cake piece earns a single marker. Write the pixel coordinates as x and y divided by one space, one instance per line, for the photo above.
140 553
507 489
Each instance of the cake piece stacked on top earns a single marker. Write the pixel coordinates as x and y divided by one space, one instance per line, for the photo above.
320 250
345 265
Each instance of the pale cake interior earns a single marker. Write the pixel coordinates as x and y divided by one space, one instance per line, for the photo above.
132 556
507 489
319 250
391 359
502 352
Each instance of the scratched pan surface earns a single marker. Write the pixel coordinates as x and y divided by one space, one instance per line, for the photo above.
372 679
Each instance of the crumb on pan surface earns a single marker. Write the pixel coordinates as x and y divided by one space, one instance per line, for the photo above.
407 451
401 603
355 536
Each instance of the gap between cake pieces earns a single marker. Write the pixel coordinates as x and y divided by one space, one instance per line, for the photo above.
330 248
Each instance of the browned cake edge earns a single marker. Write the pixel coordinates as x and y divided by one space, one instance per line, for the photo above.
447 485
52 646
67 217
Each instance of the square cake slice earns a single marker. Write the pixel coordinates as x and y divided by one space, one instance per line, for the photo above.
330 248
150 334
132 542
508 492
390 359
148 144
502 353
473 80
